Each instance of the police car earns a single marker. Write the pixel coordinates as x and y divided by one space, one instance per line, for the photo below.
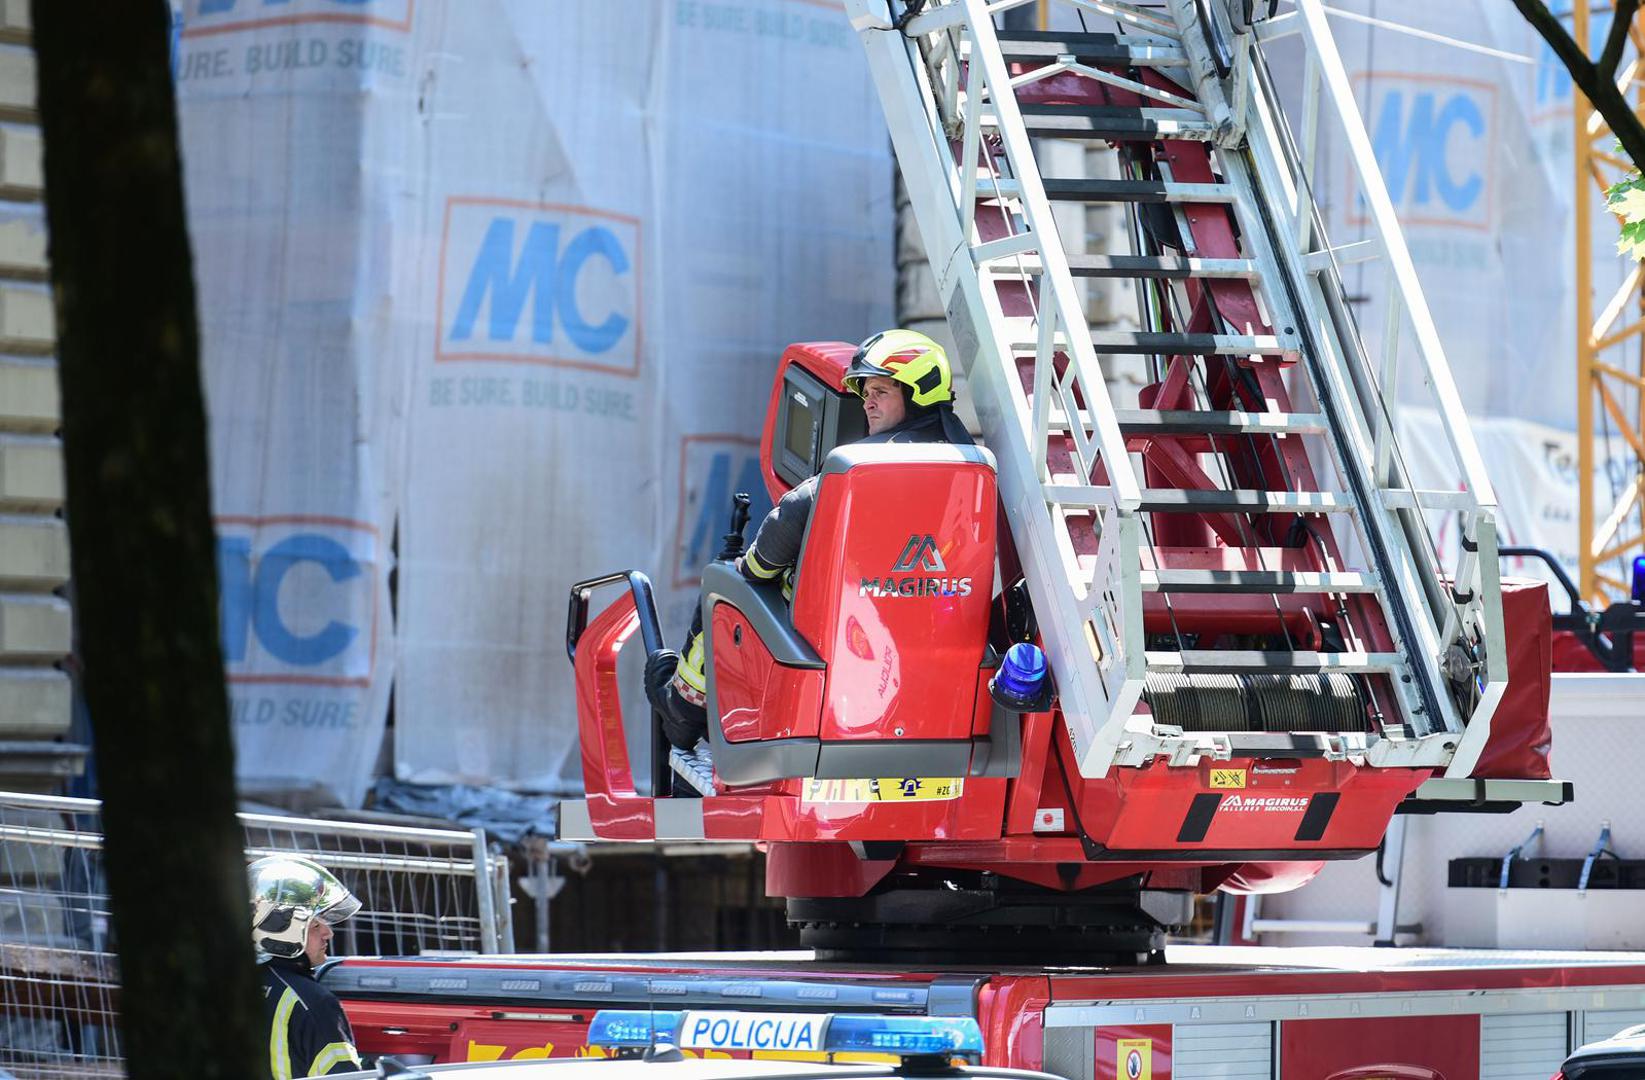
1621 1057
643 1044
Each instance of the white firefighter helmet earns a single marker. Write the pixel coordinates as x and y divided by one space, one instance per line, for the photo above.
287 894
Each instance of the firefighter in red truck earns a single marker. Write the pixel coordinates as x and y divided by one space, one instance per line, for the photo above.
906 385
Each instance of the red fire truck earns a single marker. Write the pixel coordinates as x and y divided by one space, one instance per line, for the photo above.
1042 691
1230 1012
1239 647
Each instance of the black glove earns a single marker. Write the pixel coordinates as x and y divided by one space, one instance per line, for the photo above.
659 672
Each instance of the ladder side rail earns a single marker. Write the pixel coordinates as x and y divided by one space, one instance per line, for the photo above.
1322 51
1111 619
1330 363
1478 574
1477 579
920 134
1417 638
1107 632
1494 638
1416 574
1036 214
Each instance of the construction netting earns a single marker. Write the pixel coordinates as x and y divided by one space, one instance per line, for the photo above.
490 294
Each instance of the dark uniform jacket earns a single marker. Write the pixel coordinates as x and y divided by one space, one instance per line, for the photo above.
776 545
308 1034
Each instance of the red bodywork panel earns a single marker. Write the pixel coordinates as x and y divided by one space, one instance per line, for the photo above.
1569 654
760 698
899 623
1521 737
1378 1048
432 1007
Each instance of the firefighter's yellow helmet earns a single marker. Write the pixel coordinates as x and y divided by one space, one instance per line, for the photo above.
908 357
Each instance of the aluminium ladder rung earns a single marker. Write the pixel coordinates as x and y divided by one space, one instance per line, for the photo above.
1165 267
1089 49
1152 343
1167 343
1250 662
1203 501
1194 422
1110 123
1097 190
1256 581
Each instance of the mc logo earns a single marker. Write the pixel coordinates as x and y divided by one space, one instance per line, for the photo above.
1435 140
538 283
298 599
201 17
712 469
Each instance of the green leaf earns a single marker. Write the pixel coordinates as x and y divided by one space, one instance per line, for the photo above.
1622 187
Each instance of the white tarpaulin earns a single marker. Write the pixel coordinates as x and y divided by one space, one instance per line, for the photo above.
500 285
1474 139
293 181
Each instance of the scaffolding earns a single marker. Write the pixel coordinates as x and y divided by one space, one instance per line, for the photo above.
1610 357
422 891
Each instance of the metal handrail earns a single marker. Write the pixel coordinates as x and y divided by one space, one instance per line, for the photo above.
644 605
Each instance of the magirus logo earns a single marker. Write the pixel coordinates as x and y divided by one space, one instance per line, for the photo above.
920 553
1251 803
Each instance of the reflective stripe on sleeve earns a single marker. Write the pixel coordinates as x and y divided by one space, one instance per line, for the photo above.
332 1056
279 1037
758 568
690 669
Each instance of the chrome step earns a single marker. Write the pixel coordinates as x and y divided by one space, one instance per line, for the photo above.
1094 50
1200 501
1239 662
1193 422
1112 123
1081 189
1256 581
1149 343
1168 267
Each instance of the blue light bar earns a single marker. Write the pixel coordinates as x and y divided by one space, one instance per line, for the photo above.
636 1029
905 1036
788 1033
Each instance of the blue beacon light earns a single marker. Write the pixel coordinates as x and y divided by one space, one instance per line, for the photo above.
634 1029
1022 683
905 1036
1639 578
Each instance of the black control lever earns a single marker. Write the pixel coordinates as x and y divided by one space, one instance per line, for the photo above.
734 546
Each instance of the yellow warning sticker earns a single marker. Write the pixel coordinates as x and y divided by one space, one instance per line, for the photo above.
885 789
1227 778
1136 1059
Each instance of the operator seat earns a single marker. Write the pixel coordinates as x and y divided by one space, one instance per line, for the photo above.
874 671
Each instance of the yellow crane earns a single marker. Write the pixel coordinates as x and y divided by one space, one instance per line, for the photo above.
1610 353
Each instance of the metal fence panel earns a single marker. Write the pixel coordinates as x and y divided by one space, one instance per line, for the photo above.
422 891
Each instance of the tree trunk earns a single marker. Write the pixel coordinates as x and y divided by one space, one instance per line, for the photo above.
143 551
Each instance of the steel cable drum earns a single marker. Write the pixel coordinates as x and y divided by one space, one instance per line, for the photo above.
1286 703
1268 703
1197 702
